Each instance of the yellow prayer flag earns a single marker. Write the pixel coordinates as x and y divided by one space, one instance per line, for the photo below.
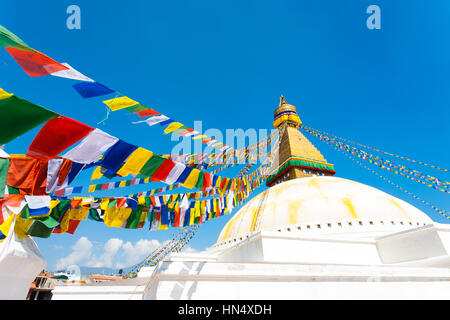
4 94
122 184
21 227
192 179
96 174
104 203
53 203
5 226
141 200
163 227
199 137
192 217
116 217
120 103
218 182
135 162
172 127
91 188
78 214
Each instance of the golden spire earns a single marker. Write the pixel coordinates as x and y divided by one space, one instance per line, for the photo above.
297 155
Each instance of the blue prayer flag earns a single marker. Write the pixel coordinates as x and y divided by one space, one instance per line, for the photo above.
91 89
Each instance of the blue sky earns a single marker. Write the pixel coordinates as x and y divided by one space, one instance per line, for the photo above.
227 62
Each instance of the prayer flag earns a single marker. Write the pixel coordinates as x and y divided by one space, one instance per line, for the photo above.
18 116
9 39
120 103
35 63
147 113
192 179
5 227
172 127
163 171
71 73
57 135
91 89
4 165
175 173
92 147
135 162
116 155
4 94
29 175
151 166
154 120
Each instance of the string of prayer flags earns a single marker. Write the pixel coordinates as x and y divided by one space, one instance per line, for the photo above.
91 89
375 149
71 73
35 63
17 116
57 135
120 103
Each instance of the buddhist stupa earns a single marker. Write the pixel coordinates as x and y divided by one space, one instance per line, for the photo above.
310 235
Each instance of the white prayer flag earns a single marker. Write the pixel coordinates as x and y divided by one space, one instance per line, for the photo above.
71 73
91 147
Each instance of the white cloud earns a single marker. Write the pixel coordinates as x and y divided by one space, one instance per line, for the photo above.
133 254
113 254
81 251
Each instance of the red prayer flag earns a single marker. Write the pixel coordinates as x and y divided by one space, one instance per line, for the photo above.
147 113
28 175
163 171
207 181
176 222
121 202
73 225
35 64
57 135
182 133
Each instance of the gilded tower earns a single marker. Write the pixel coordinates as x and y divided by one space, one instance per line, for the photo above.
298 157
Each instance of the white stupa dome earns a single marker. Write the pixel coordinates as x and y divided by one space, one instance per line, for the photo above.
315 201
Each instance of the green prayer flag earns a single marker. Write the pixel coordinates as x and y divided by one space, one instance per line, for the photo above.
93 215
136 108
134 218
112 203
9 39
151 166
199 183
12 190
4 165
39 229
18 116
